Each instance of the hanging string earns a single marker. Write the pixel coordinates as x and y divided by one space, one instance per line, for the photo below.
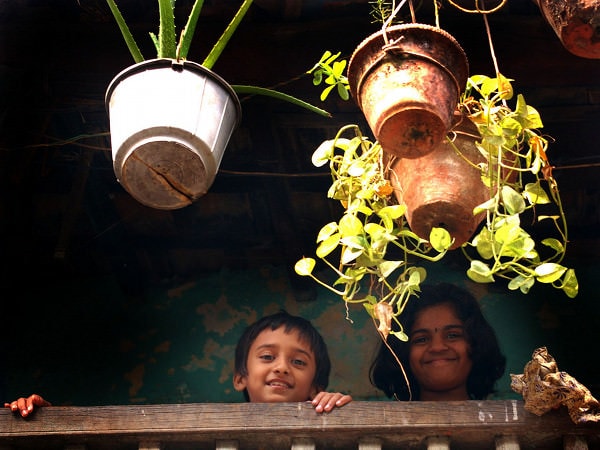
412 11
405 376
395 10
478 10
492 52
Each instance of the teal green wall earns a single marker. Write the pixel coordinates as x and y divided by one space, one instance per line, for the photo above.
83 342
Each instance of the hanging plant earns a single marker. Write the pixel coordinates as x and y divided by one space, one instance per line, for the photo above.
171 119
371 248
376 248
510 139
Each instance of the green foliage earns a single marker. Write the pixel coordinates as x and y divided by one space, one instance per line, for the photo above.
129 39
520 178
373 246
381 10
166 43
331 72
371 241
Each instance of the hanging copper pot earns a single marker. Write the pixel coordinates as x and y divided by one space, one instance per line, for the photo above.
441 188
407 80
576 23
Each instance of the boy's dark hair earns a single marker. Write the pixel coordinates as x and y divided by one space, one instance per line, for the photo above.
488 361
305 329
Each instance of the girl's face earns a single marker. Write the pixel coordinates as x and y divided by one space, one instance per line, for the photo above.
281 368
439 354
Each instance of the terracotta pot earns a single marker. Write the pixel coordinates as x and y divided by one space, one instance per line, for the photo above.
170 123
575 22
441 189
409 87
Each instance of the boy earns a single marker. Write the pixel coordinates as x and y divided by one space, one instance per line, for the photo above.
279 358
283 358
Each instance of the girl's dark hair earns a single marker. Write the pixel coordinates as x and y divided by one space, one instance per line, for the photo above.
305 329
488 361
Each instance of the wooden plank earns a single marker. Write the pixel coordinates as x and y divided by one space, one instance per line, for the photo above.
470 424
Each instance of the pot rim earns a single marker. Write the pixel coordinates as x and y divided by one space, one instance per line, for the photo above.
378 39
177 66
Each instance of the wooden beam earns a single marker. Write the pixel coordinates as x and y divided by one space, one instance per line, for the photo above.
466 425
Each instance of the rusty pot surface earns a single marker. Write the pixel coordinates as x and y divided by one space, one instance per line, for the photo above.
441 189
575 22
408 88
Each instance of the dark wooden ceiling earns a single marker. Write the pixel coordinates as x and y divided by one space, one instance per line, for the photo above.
63 212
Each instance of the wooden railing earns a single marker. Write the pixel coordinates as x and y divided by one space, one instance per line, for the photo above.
360 425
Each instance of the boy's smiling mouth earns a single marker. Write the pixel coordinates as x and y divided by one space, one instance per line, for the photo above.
279 384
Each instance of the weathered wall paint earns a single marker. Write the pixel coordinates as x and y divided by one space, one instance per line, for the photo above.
84 342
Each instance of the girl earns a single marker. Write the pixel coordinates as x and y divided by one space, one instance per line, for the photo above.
452 352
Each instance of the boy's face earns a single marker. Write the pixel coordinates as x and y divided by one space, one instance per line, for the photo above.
281 368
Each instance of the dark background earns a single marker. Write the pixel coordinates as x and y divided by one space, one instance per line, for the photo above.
68 227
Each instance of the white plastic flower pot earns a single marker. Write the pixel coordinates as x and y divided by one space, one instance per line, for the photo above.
170 123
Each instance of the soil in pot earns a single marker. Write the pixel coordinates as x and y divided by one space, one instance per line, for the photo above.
407 82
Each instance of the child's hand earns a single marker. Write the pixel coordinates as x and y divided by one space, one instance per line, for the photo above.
326 401
25 406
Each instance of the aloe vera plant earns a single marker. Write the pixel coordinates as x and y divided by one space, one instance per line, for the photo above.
166 43
168 46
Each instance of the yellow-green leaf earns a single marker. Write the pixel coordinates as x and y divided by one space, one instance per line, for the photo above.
328 245
440 239
554 244
522 283
505 89
349 254
536 194
480 272
327 231
400 335
387 267
305 266
549 272
513 201
323 153
350 225
570 284
392 211
486 206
